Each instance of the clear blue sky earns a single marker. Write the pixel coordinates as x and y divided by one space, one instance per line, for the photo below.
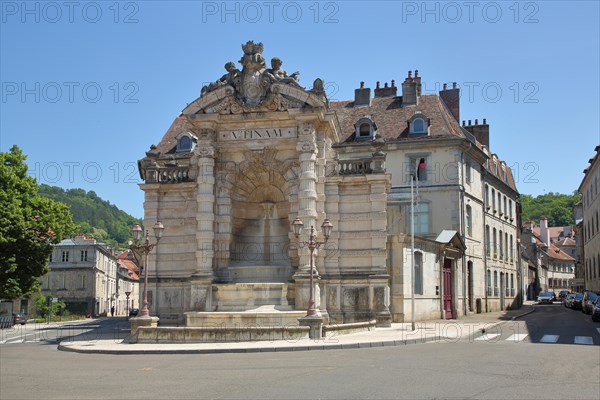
87 87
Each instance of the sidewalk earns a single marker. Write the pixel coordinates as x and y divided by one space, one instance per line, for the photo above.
465 329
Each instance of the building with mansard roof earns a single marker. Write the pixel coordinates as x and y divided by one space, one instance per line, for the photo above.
257 149
590 224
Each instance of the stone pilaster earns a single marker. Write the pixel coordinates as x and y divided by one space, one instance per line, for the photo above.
205 217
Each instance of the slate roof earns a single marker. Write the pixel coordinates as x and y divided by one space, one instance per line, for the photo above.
391 118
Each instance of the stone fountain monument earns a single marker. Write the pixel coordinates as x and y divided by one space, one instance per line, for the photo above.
254 151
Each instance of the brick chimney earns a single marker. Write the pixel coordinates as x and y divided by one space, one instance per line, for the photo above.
480 131
386 91
409 91
544 231
451 97
362 96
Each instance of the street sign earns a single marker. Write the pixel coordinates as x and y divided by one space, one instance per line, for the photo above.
55 299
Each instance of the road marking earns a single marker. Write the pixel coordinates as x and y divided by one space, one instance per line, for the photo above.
488 336
517 337
549 339
584 340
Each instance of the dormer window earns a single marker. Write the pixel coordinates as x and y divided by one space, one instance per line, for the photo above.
365 128
185 142
419 124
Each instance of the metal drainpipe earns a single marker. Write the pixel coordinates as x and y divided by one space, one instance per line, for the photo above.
462 231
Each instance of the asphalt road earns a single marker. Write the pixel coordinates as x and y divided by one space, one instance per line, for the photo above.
517 360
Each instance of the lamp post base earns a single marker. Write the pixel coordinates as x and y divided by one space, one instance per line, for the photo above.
315 323
138 322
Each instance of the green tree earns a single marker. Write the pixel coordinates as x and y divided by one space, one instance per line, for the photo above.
557 207
29 225
94 216
42 308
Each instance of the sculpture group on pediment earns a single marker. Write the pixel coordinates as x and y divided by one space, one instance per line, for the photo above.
251 84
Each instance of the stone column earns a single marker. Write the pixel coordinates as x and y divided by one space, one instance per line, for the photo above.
307 193
201 279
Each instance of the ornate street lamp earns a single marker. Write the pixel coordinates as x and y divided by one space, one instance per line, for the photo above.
145 249
127 293
312 244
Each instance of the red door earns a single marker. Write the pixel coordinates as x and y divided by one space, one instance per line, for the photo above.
447 274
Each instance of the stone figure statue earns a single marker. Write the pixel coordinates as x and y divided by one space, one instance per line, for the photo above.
278 74
228 79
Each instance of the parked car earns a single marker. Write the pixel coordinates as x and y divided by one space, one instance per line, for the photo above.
553 295
545 297
19 318
589 298
133 312
563 294
596 310
568 301
577 301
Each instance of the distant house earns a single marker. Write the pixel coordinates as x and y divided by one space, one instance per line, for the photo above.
127 283
556 268
83 274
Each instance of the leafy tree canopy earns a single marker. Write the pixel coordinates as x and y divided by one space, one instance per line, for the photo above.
29 225
557 207
94 216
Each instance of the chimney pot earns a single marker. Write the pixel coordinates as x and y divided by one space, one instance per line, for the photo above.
362 85
469 122
416 73
484 121
476 121
410 74
464 122
445 86
386 85
393 83
453 85
377 85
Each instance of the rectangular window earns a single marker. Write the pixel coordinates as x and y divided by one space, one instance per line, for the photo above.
469 221
468 173
63 281
82 282
84 255
489 282
421 219
418 163
495 283
50 258
418 273
487 241
65 256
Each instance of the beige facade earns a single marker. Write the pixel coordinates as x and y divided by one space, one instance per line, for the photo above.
256 150
83 274
590 198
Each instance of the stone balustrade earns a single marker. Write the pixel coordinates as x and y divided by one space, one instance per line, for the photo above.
168 174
